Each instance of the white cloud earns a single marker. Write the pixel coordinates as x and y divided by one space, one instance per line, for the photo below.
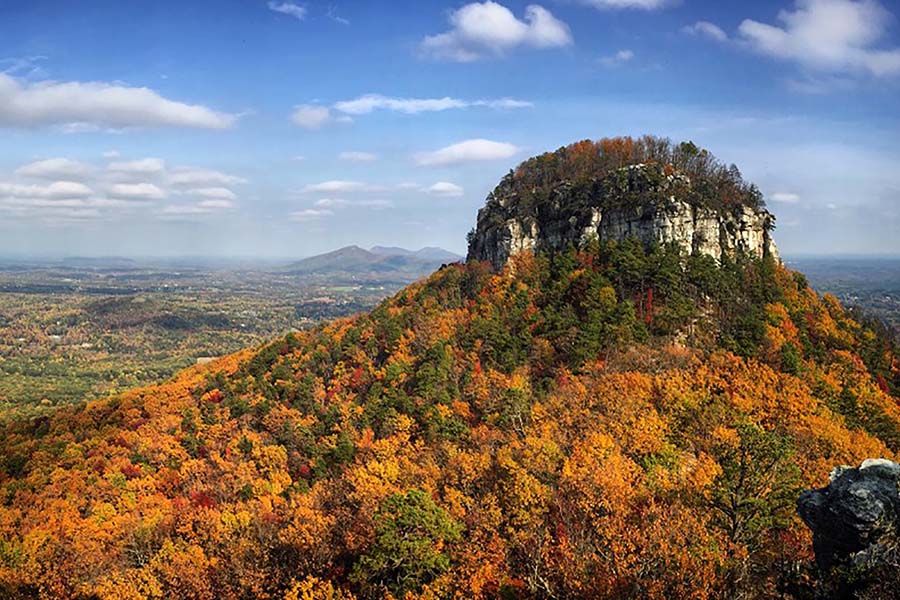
619 58
55 168
183 209
785 197
216 204
92 105
310 214
504 103
641 4
190 176
213 193
17 202
310 116
340 186
25 66
486 29
289 8
467 151
201 208
120 188
55 190
446 189
143 167
111 154
706 29
331 13
343 203
368 103
828 35
332 203
317 116
358 156
136 191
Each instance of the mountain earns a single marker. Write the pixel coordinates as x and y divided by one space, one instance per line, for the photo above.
612 419
353 259
612 190
430 253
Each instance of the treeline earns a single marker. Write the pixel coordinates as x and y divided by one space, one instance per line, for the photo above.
598 170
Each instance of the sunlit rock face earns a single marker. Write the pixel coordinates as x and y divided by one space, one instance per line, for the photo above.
642 203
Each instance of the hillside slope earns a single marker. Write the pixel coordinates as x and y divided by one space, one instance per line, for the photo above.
621 421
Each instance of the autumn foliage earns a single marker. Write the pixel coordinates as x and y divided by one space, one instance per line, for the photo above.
611 423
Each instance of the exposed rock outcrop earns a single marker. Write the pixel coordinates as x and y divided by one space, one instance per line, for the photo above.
855 522
640 201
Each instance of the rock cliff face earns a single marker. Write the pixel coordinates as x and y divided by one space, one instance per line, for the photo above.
855 522
639 201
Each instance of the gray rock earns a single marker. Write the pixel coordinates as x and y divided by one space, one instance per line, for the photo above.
855 520
654 213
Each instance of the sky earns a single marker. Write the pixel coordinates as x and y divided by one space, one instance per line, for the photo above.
277 129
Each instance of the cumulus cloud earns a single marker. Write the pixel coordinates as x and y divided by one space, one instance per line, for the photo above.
310 116
136 191
340 186
317 116
216 204
55 190
213 193
613 4
122 187
91 105
706 29
343 203
619 58
358 156
55 168
289 8
183 209
480 30
785 197
828 35
467 151
200 208
141 167
446 189
310 214
191 176
368 103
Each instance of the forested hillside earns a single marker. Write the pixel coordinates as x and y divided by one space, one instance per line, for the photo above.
612 422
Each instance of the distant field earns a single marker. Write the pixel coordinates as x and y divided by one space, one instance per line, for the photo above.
71 333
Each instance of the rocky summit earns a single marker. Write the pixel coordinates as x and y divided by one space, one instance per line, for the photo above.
648 189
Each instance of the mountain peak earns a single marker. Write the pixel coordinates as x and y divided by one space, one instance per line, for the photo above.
619 188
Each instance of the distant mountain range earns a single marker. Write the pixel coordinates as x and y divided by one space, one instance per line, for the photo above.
379 259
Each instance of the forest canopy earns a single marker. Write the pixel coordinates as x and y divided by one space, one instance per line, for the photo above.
610 168
618 421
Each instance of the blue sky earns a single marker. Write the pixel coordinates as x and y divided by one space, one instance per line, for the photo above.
283 129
